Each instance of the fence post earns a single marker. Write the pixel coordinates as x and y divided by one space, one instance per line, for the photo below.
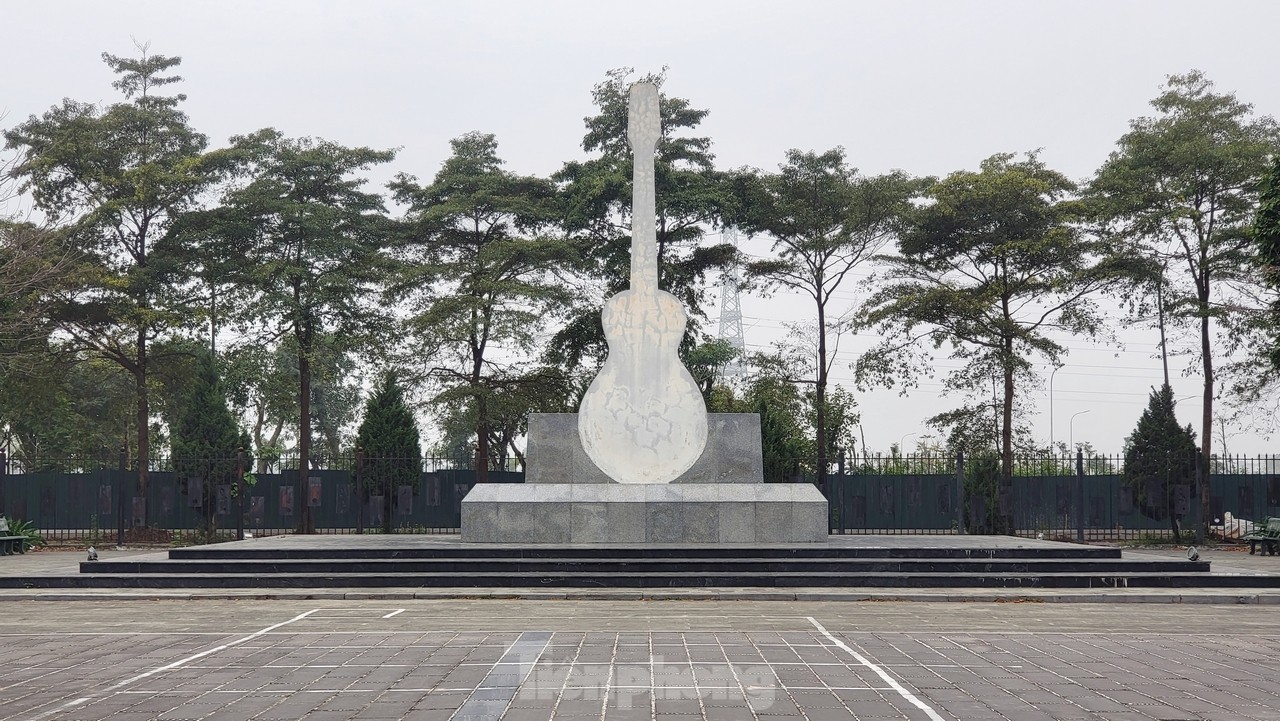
121 484
360 490
836 492
240 494
1079 496
960 500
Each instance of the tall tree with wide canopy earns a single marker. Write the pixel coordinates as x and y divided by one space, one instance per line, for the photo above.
1182 187
992 265
307 243
824 219
1266 233
480 280
596 199
115 178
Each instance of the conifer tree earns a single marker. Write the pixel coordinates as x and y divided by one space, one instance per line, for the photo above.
392 447
206 440
1159 455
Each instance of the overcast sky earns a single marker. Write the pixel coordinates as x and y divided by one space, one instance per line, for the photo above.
928 87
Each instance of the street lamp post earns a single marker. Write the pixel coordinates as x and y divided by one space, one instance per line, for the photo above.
1051 375
1071 427
902 449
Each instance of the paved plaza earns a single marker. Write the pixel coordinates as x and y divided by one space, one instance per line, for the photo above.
525 660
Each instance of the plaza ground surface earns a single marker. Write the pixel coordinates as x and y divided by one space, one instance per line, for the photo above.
523 660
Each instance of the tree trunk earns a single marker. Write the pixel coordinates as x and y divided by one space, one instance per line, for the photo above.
1006 416
144 414
1206 436
820 399
482 442
305 524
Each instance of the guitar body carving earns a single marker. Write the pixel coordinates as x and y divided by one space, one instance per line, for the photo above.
643 420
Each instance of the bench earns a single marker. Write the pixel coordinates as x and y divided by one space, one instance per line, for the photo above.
1265 534
10 544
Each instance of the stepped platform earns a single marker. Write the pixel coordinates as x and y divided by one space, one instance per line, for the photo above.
445 562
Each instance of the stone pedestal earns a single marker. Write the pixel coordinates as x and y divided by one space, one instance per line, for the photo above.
732 453
721 499
615 513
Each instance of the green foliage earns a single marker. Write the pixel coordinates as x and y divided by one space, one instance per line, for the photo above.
1266 234
35 539
825 220
595 203
301 247
707 360
1159 455
982 481
392 448
478 274
787 415
34 270
114 177
1181 188
994 266
206 440
785 444
61 407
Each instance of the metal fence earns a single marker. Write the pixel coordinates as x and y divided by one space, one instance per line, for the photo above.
104 504
1063 498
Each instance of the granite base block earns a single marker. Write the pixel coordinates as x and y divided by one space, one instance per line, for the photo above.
561 513
732 453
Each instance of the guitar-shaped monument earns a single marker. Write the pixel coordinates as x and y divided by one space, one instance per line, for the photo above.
643 419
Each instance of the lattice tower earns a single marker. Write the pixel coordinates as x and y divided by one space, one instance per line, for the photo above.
731 311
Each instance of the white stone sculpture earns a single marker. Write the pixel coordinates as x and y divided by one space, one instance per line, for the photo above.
643 419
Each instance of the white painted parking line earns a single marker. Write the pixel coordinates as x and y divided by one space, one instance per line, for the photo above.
396 612
893 683
170 666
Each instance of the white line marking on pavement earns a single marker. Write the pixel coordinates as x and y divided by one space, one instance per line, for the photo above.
171 666
394 613
904 693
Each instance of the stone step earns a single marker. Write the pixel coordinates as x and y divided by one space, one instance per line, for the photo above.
645 565
461 551
648 580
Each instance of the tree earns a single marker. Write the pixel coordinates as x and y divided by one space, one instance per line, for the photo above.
34 270
388 436
825 220
990 266
205 441
1266 233
785 442
65 411
982 482
115 178
787 415
596 196
308 244
480 281
1159 456
1182 187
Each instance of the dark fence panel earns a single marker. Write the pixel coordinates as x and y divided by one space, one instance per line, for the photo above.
879 495
92 506
1048 499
